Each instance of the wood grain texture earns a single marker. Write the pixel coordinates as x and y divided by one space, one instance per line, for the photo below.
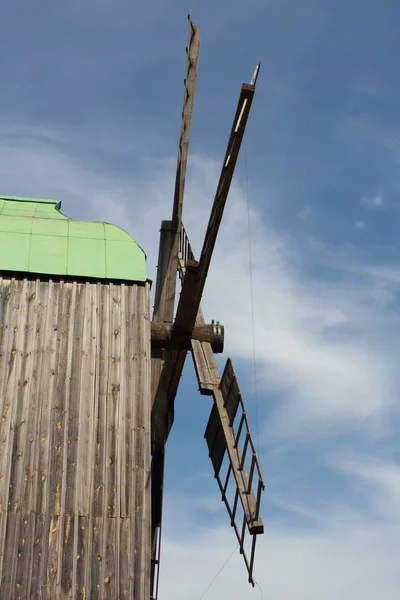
75 402
161 336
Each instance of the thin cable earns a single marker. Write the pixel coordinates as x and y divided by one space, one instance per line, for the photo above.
251 288
219 572
259 587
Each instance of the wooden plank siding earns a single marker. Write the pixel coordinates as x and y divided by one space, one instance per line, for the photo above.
75 402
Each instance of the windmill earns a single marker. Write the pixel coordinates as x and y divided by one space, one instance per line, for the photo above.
227 433
87 388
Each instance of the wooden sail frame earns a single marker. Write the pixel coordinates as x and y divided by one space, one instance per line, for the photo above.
224 438
176 255
195 279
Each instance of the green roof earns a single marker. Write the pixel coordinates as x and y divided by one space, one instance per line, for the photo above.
36 238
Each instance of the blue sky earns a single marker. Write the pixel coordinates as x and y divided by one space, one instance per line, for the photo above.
90 104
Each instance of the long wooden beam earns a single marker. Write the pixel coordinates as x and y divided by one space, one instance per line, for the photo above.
169 238
164 305
195 278
231 156
162 415
192 51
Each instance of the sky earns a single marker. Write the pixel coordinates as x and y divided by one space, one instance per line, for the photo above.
90 105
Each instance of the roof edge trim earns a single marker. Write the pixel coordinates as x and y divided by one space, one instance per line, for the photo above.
55 203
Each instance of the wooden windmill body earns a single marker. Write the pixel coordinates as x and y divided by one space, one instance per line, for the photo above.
87 388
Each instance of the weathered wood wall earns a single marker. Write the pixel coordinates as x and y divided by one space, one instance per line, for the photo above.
74 440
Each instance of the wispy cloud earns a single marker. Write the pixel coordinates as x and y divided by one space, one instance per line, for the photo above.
327 319
346 552
359 225
325 349
316 337
380 478
305 212
372 202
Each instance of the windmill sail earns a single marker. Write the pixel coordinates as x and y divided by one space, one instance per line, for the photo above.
223 438
231 447
176 254
166 284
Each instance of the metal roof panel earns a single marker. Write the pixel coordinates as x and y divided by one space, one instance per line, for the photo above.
36 237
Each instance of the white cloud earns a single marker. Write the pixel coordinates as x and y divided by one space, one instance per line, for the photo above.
359 225
381 481
323 344
346 553
373 202
305 212
348 562
316 339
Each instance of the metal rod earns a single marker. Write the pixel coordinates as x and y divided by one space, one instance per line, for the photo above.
243 534
253 548
235 504
258 501
255 74
227 477
239 430
240 116
253 463
246 443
